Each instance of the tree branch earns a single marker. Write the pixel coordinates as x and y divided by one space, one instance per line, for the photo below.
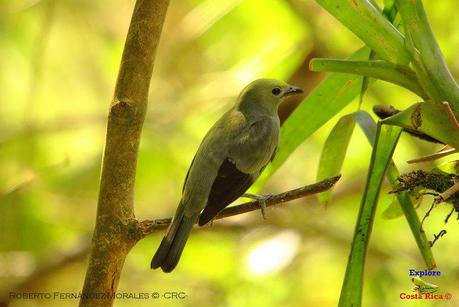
111 239
148 227
117 229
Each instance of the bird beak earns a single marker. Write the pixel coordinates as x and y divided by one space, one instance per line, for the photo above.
292 90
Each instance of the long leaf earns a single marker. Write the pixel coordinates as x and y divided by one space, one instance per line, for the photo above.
386 140
394 73
429 118
368 23
334 151
434 66
368 126
389 12
324 102
412 218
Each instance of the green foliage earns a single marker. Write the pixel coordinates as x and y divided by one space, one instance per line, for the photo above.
383 70
402 201
334 151
386 140
408 209
430 79
369 24
426 55
429 118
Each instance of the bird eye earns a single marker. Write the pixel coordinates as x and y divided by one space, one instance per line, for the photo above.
276 91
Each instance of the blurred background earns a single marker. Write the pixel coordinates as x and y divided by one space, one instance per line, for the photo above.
58 66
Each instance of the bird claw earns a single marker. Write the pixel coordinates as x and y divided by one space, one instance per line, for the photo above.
261 201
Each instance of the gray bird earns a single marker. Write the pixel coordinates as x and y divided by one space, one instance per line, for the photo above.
230 158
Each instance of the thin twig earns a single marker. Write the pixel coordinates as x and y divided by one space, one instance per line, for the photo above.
427 214
449 215
148 227
437 236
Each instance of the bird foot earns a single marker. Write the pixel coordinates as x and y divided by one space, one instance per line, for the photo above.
261 201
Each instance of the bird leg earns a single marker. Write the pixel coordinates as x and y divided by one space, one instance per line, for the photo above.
261 201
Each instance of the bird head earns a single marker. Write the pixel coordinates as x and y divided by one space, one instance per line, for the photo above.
266 93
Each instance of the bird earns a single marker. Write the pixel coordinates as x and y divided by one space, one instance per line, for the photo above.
232 155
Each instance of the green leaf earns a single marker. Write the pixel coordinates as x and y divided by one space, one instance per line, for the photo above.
390 72
367 124
394 210
368 23
386 140
429 118
334 151
389 12
432 67
412 218
403 200
450 167
325 101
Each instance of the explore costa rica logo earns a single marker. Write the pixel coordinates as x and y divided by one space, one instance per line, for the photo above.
423 289
413 272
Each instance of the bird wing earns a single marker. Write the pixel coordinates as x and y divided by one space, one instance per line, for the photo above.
228 186
231 182
188 174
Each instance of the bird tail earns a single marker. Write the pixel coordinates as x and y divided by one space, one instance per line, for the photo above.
169 251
